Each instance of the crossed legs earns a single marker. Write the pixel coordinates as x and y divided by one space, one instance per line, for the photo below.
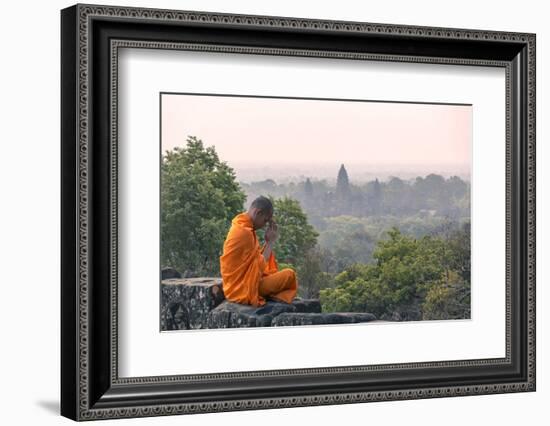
282 285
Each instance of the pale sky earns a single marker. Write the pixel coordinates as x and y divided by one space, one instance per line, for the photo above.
278 132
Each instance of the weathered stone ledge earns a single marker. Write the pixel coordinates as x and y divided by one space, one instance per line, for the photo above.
197 303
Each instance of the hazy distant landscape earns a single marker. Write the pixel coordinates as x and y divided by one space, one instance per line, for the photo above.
365 172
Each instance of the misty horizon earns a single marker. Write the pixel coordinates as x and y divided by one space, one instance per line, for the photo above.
357 173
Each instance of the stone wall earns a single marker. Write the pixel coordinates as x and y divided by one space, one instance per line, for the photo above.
196 303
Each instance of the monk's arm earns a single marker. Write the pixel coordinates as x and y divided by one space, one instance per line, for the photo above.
268 248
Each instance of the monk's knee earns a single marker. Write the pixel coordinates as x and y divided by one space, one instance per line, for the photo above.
290 276
289 273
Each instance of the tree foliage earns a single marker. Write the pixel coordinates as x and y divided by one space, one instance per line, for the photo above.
411 279
297 247
199 197
296 235
312 278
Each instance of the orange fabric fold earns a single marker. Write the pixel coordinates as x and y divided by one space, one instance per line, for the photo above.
281 286
242 263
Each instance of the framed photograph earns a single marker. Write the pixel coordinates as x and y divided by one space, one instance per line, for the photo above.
264 212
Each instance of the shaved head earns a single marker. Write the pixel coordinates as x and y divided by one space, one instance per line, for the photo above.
260 212
263 204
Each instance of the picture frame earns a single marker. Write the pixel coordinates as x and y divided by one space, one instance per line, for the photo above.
91 387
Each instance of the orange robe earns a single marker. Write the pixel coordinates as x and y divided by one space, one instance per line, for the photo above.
247 277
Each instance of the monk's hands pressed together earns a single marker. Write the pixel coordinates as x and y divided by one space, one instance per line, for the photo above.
270 238
271 233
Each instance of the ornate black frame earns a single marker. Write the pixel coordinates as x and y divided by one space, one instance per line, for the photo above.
90 386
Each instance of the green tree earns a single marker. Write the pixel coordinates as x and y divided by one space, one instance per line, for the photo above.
311 278
412 279
199 197
296 235
353 247
448 299
459 246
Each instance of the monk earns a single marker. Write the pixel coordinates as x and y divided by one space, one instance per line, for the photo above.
249 272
